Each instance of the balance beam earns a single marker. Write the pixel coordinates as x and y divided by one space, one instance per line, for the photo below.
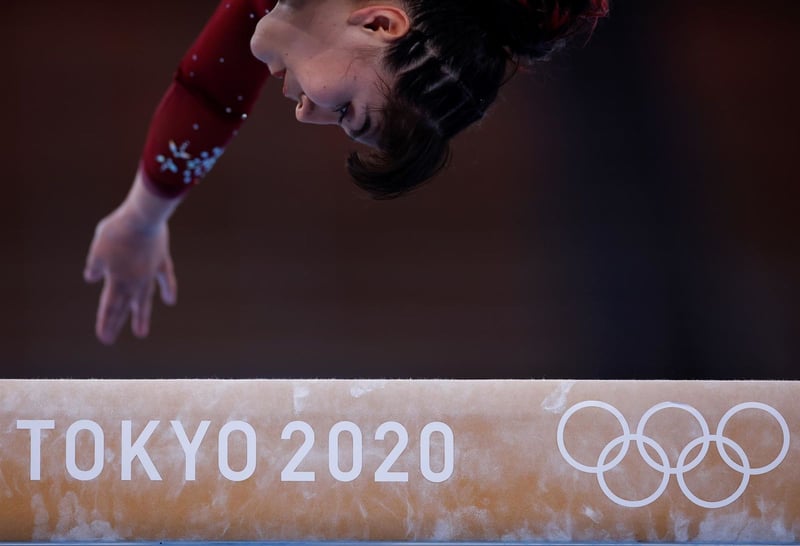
400 460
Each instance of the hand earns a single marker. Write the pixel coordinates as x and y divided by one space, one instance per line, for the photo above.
132 256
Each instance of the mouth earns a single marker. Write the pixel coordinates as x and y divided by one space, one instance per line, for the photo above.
291 88
288 94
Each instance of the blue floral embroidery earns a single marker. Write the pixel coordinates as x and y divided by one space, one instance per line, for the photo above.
193 167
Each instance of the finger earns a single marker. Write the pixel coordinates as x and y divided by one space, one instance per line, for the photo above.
94 270
114 322
110 318
141 308
111 313
167 282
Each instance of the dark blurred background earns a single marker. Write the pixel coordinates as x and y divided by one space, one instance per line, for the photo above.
628 210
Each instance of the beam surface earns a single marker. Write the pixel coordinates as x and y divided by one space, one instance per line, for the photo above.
281 461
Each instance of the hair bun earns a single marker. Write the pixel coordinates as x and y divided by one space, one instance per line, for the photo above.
536 28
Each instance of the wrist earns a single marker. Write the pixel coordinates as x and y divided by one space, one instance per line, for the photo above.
144 210
136 220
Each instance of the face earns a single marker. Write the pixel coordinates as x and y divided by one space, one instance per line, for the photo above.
329 54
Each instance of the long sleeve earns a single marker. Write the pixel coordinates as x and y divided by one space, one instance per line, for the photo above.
214 89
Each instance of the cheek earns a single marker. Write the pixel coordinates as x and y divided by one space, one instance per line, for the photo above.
329 82
325 93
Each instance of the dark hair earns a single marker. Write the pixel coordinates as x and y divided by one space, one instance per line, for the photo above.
449 69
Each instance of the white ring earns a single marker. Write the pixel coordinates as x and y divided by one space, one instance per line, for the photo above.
626 432
666 468
777 416
616 498
736 494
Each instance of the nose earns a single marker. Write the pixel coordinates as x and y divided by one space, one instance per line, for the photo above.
307 111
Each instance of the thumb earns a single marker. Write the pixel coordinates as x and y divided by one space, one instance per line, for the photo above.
94 270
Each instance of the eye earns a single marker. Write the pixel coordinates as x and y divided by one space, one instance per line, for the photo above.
343 110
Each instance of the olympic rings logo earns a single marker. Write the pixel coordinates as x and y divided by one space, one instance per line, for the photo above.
722 442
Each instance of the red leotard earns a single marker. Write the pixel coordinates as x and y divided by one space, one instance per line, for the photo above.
214 89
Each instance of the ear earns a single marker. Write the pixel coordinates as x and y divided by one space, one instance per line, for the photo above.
386 22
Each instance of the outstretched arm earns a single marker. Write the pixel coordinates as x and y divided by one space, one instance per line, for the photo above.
215 87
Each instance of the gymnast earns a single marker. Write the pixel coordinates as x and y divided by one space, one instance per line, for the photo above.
402 77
